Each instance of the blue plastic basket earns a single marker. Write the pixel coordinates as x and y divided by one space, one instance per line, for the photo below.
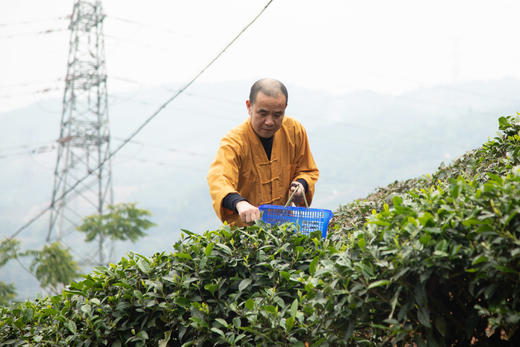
307 219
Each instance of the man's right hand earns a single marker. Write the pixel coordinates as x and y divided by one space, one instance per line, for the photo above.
247 212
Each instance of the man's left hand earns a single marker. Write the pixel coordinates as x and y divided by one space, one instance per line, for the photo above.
298 196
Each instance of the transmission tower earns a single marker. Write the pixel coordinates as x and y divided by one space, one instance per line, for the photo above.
84 141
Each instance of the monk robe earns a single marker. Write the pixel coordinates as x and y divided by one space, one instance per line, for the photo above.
241 166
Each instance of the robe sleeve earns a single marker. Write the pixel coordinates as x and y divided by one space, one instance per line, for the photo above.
305 166
223 175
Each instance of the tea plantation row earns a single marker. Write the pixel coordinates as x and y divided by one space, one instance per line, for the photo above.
436 263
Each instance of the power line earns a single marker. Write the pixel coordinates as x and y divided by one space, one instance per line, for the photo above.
146 122
35 150
165 164
41 32
175 150
29 83
24 268
35 21
123 79
36 92
27 146
134 22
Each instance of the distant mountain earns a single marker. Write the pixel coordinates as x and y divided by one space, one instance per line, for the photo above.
360 141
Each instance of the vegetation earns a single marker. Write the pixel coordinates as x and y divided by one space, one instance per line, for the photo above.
122 222
433 261
498 156
55 267
8 251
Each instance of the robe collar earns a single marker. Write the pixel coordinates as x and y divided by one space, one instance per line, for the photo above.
257 143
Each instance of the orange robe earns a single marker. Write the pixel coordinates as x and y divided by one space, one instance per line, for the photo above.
241 166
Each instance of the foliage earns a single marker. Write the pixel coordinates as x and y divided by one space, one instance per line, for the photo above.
8 250
497 156
437 265
7 293
53 266
217 287
123 222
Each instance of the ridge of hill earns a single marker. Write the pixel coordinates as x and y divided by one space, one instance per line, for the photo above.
436 263
496 157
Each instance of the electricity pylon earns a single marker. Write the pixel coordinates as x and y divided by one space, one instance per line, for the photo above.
84 142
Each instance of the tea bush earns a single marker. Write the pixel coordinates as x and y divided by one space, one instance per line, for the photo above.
436 264
224 287
497 156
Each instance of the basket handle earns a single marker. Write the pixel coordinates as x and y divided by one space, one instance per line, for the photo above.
292 195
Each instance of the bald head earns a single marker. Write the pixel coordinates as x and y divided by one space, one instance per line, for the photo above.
269 87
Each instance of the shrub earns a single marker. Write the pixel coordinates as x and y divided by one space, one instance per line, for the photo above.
435 265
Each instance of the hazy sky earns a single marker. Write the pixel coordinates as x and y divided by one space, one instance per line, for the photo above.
338 46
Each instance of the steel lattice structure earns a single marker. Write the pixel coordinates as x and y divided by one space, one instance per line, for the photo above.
84 141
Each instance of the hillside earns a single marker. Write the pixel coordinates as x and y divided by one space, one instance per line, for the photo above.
359 140
496 157
433 261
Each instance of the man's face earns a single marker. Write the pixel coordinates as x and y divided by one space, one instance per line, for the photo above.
266 114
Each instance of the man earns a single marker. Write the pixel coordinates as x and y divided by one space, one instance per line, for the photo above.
263 160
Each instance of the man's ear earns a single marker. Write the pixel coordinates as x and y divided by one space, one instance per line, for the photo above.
248 105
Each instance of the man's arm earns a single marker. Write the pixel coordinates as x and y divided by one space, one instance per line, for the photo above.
223 176
231 200
247 212
301 187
